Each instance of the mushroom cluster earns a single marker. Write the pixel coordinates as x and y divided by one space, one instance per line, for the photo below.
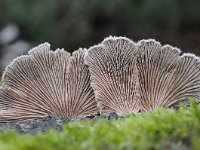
117 75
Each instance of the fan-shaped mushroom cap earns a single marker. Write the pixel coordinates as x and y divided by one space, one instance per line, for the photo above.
166 78
114 75
46 83
128 77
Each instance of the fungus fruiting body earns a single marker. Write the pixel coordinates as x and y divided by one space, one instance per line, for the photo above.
130 77
46 83
114 78
117 75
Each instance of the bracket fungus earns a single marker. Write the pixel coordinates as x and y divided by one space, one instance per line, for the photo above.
129 77
114 78
46 83
117 75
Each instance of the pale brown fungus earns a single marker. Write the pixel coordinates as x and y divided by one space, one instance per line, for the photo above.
126 77
46 83
130 77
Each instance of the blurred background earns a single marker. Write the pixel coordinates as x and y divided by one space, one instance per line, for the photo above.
71 24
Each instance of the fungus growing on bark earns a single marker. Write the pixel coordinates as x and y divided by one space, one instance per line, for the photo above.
166 77
126 77
129 77
46 83
114 75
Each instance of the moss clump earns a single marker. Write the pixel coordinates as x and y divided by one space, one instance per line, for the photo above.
163 129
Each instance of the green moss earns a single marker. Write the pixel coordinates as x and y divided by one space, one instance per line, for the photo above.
163 129
1 85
